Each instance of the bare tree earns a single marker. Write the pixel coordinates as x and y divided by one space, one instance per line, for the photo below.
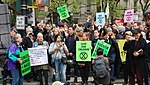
144 6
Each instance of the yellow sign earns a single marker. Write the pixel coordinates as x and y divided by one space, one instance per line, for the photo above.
122 52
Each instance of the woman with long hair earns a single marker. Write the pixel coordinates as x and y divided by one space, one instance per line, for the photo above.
58 51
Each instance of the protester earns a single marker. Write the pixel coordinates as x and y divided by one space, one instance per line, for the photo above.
58 50
113 52
128 37
14 60
42 70
27 42
136 63
71 45
101 76
84 67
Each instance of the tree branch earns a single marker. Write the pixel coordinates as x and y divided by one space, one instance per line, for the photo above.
117 2
141 5
146 5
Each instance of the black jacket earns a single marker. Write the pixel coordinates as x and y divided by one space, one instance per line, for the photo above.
139 61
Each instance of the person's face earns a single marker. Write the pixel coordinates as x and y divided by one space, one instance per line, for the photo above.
47 26
40 38
56 32
110 33
114 26
13 33
58 39
96 33
137 36
70 30
135 26
84 37
19 39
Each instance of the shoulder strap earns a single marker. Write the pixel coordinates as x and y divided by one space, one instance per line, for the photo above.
75 38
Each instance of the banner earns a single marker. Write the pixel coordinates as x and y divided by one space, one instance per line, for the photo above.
83 51
122 52
103 45
63 12
119 22
100 18
129 15
38 56
25 65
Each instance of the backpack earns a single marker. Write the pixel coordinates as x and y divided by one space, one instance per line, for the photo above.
100 68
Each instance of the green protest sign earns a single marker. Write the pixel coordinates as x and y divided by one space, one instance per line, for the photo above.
63 12
103 45
83 51
25 65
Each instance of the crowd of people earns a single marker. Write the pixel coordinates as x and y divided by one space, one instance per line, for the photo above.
61 43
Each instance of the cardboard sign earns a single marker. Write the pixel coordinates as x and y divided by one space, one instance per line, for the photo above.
103 45
129 15
63 12
38 56
100 18
20 22
83 51
25 65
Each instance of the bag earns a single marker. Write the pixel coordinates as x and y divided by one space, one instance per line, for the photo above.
70 63
64 60
100 68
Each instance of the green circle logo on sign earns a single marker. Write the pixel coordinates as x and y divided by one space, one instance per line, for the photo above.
83 55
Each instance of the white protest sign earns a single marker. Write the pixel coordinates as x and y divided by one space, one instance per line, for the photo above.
38 56
20 22
100 18
129 15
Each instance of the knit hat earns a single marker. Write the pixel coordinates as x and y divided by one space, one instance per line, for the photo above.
128 32
136 31
78 29
121 29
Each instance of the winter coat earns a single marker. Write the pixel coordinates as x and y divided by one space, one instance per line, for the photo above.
139 61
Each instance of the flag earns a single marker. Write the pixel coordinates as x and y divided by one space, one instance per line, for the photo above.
107 10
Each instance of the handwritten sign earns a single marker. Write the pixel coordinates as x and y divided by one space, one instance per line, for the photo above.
100 44
25 65
83 51
38 56
100 18
63 12
129 15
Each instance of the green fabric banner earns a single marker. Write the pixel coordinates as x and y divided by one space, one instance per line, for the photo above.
83 50
103 45
25 65
63 12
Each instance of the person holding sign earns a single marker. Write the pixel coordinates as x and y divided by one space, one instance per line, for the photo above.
14 60
42 70
58 51
84 67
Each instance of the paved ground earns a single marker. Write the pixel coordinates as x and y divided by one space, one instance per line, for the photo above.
117 82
